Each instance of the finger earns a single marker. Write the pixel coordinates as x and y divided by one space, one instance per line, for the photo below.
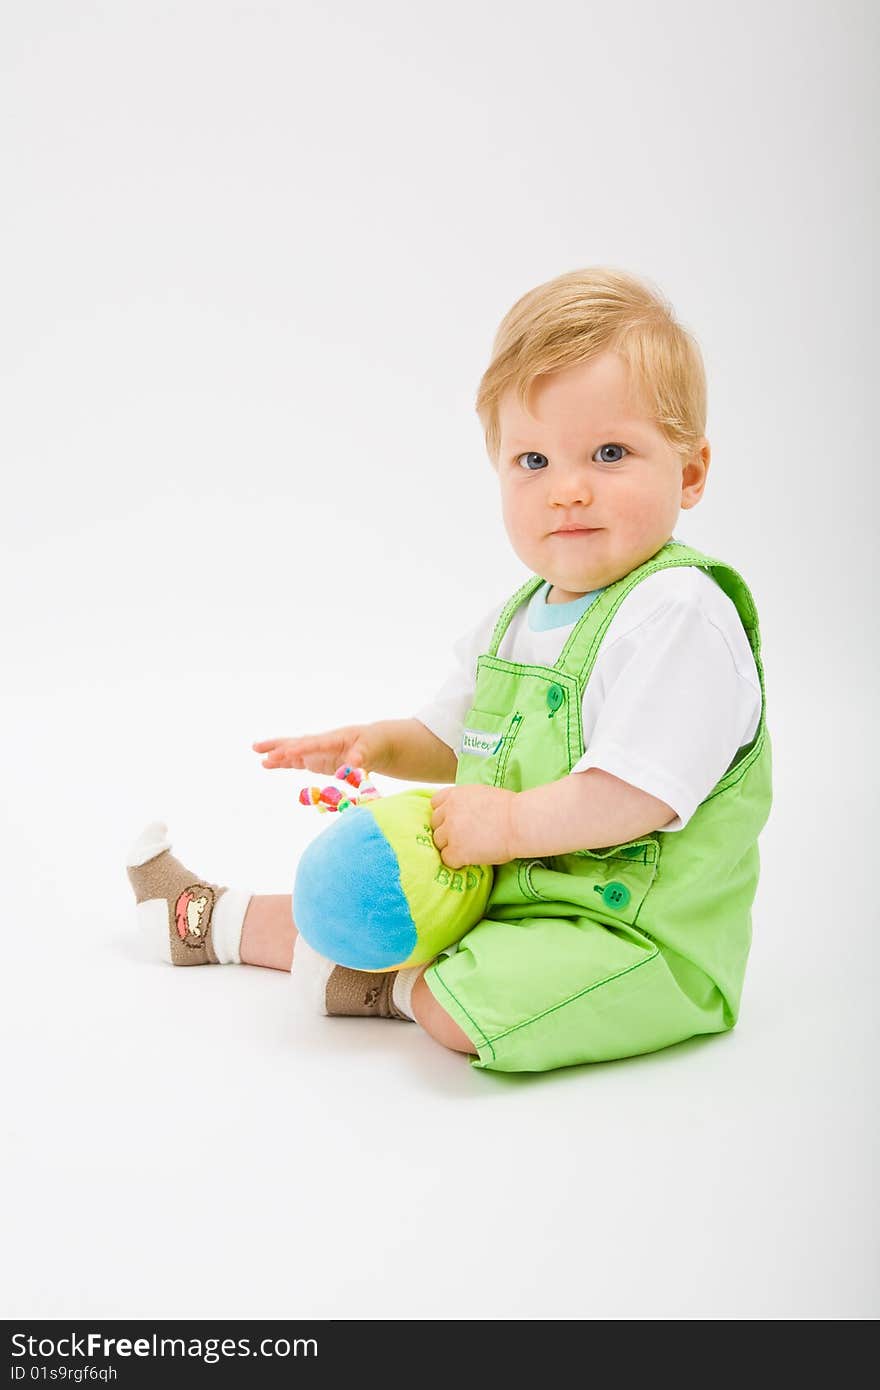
278 746
439 797
285 755
316 760
437 818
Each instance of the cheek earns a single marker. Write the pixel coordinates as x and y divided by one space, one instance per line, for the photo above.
511 508
637 509
518 523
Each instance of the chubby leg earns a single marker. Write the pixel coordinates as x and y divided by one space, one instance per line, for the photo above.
196 922
268 938
436 1021
269 933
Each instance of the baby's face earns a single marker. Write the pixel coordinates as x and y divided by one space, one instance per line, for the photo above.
589 457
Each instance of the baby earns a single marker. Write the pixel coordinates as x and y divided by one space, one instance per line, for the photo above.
604 727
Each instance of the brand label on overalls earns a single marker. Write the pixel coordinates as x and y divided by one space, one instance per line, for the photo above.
480 744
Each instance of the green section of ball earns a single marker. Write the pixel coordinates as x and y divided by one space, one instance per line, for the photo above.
444 903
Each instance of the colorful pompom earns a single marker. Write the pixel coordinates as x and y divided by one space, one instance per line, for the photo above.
332 799
353 775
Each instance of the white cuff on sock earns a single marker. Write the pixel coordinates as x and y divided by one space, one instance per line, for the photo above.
152 840
309 973
152 919
401 990
226 924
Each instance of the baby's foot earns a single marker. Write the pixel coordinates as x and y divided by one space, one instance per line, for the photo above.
197 923
336 989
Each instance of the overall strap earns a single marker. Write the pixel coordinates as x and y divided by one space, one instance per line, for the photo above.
579 653
522 595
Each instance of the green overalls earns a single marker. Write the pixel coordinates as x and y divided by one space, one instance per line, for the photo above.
603 953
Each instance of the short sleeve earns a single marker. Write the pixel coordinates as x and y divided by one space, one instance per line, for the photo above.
675 709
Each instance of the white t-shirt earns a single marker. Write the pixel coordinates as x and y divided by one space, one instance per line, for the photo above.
673 695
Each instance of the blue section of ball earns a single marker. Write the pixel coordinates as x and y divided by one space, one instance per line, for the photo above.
348 901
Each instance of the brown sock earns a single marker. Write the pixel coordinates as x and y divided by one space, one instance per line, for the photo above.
361 993
189 902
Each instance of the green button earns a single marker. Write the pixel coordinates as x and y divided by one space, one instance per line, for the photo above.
616 895
555 697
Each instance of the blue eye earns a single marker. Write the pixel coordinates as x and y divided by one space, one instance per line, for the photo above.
603 447
534 462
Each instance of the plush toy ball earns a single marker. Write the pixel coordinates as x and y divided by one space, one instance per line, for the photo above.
371 892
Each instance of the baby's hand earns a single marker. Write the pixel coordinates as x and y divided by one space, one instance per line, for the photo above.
471 824
355 745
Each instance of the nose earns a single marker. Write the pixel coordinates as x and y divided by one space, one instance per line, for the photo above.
570 487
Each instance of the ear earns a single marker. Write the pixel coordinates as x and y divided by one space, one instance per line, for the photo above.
694 474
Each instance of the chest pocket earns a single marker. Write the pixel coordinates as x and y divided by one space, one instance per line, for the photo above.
524 727
487 741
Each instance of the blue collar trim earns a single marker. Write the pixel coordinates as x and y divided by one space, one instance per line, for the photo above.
543 615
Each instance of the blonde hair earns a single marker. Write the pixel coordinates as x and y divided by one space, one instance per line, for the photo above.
586 312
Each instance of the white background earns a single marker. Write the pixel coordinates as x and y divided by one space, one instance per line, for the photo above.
253 257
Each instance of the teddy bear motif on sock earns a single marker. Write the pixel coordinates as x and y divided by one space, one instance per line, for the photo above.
195 923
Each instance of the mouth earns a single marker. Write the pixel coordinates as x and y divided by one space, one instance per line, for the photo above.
576 531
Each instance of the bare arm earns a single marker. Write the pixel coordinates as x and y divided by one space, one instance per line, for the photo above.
402 748
588 810
414 753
